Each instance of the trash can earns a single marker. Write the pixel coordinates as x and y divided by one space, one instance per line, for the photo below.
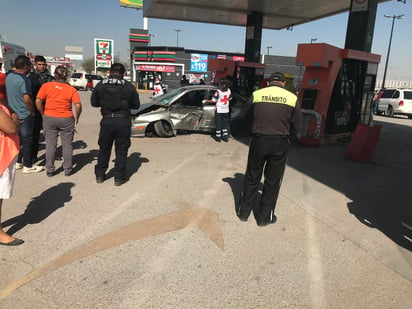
363 143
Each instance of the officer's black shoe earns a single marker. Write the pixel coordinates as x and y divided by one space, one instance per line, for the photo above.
264 223
119 182
218 139
225 139
50 174
99 179
242 218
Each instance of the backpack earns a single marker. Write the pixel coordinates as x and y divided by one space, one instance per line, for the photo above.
114 96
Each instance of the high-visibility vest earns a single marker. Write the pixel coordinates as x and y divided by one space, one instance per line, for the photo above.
276 95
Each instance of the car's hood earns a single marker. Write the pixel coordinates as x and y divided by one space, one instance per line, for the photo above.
142 108
146 107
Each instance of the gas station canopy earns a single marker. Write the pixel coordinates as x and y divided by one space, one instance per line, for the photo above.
277 14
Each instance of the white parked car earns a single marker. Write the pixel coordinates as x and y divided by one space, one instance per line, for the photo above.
396 102
93 80
85 81
79 81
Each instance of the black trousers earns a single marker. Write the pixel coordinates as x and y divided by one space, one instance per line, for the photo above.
37 126
117 131
268 155
222 123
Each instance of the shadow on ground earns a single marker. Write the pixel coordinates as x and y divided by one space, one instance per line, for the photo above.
134 162
41 207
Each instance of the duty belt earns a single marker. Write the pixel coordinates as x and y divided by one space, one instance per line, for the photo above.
116 115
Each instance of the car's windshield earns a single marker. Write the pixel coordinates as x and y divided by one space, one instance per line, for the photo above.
166 98
77 75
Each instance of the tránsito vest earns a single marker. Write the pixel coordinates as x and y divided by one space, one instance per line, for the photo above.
273 111
276 96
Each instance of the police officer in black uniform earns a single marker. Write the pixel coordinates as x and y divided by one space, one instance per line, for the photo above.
38 77
276 116
114 126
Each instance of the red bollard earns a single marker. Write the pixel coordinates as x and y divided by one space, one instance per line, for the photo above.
363 143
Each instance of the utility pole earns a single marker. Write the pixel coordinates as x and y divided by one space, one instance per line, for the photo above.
389 46
150 38
177 36
268 47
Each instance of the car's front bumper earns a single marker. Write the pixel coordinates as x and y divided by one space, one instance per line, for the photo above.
139 128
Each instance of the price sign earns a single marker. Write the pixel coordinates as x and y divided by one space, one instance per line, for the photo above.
198 62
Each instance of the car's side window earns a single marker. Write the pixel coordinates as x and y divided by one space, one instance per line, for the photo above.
396 94
200 96
193 98
407 95
186 99
211 94
387 94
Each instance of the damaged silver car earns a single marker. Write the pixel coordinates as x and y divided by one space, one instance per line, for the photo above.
182 109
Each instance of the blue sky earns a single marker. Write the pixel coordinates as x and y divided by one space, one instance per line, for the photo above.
46 26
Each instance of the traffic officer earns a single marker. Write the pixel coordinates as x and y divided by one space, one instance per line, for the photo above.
115 125
276 116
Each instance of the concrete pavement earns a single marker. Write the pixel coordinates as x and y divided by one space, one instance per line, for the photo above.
169 237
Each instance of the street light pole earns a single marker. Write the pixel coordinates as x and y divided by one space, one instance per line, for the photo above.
150 38
177 36
268 47
389 47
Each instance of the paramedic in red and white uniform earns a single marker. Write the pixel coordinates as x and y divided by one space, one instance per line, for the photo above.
158 88
221 98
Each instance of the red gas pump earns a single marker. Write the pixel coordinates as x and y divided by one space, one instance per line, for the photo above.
336 90
245 75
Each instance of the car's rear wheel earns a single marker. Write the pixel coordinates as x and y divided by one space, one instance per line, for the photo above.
389 112
163 129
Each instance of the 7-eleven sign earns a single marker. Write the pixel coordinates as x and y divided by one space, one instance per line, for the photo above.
103 50
104 47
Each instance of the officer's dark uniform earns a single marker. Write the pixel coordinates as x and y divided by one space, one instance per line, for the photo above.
275 116
114 127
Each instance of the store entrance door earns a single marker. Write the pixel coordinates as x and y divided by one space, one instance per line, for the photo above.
145 80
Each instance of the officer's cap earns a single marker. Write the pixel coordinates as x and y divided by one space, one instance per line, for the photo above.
278 76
